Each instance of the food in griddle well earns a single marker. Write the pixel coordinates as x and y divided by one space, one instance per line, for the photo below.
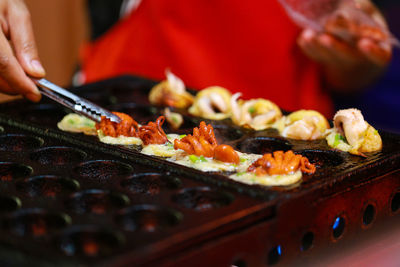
78 124
351 133
278 168
304 125
257 114
175 120
212 103
171 92
199 150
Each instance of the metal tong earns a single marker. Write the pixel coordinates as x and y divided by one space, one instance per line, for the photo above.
74 102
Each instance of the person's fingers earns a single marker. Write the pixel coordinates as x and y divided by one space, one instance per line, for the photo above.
342 52
5 88
307 41
320 48
22 38
378 53
12 72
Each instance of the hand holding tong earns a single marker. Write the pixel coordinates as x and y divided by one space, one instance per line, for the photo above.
74 102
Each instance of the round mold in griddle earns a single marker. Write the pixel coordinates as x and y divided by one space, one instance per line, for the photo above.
58 155
142 114
96 201
262 145
102 170
46 186
202 198
9 203
35 222
19 142
322 158
90 241
150 183
224 133
147 218
10 171
44 114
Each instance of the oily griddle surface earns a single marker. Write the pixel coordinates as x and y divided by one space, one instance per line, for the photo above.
63 200
67 197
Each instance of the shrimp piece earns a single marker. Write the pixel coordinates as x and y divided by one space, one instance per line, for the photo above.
351 124
353 134
212 103
235 107
171 92
305 125
258 114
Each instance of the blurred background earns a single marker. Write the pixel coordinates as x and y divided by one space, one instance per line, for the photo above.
62 25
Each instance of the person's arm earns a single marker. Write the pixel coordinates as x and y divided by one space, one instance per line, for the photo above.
18 53
346 67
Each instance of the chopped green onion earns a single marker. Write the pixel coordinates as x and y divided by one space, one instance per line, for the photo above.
240 173
243 160
174 119
89 123
252 110
193 158
181 136
338 138
376 132
170 146
71 121
202 159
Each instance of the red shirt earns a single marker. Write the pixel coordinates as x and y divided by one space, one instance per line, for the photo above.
246 46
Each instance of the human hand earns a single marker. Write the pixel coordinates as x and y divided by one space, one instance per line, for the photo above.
346 66
18 53
355 47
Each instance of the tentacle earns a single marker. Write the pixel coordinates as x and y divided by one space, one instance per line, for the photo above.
152 133
127 127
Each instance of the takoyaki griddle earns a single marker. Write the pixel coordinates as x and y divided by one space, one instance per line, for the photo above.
67 198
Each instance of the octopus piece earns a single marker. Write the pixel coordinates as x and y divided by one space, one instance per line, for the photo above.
281 163
212 103
353 134
152 133
204 143
171 92
305 125
258 114
201 143
127 127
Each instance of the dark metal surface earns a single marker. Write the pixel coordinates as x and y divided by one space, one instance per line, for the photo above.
67 198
